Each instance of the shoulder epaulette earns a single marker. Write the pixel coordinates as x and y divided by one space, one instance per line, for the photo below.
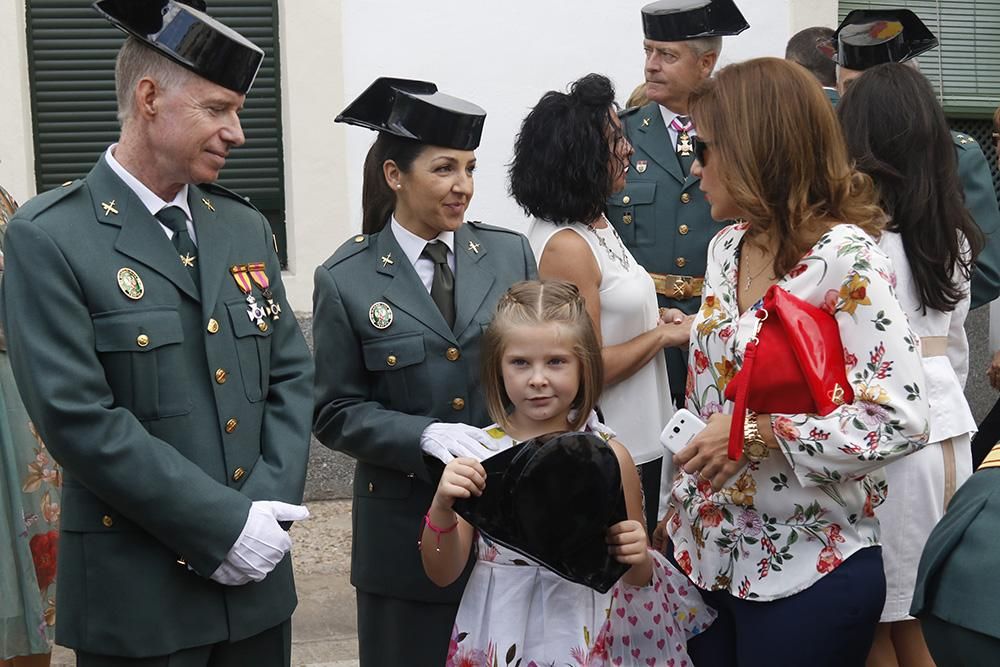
492 228
349 248
48 199
962 140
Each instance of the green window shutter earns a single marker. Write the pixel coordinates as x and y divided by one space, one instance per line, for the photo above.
71 59
965 67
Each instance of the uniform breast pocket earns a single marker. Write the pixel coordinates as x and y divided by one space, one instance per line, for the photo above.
143 358
632 212
253 347
397 362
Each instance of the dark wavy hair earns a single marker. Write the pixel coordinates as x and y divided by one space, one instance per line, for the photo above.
897 133
561 169
378 200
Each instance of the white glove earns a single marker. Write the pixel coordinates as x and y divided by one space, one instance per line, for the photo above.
448 441
594 425
261 545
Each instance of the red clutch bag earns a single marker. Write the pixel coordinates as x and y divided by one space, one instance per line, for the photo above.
802 358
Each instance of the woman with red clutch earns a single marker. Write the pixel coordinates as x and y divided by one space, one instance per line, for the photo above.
800 327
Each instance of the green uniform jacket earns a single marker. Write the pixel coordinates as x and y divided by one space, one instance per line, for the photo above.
661 216
981 200
133 398
378 389
956 578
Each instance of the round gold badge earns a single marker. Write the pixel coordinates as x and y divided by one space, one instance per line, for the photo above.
130 283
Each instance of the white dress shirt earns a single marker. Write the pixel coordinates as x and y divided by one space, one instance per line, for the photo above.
149 198
412 246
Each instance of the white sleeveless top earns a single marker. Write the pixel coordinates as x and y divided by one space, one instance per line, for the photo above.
638 407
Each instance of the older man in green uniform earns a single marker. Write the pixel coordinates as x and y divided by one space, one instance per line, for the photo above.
159 360
870 37
661 215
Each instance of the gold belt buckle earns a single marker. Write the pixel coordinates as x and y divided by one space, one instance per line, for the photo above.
682 287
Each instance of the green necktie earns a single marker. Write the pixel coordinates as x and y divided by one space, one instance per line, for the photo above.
176 221
443 283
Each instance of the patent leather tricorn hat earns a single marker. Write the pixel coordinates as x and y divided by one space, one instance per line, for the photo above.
680 20
416 110
870 37
183 32
553 498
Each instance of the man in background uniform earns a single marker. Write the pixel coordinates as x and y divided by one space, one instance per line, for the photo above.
867 38
808 48
661 215
161 364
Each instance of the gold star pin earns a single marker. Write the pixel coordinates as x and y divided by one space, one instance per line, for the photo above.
109 207
474 247
208 204
645 122
387 259
188 260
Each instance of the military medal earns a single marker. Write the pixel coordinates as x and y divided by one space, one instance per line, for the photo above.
684 145
263 282
256 313
130 283
640 166
380 315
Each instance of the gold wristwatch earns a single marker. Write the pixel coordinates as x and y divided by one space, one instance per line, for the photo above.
754 447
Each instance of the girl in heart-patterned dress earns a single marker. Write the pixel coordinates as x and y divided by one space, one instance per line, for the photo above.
542 374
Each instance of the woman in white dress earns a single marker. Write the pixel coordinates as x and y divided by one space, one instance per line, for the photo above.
570 155
897 133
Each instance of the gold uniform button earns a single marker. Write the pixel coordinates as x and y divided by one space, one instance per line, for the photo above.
626 199
107 521
680 262
231 425
142 340
458 404
359 238
683 229
627 219
452 354
262 325
391 360
213 326
238 474
685 198
221 376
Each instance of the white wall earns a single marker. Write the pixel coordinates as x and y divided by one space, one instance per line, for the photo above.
17 161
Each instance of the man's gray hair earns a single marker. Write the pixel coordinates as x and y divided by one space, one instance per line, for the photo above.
705 44
136 61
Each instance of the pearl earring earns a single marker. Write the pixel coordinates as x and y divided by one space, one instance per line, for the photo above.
399 186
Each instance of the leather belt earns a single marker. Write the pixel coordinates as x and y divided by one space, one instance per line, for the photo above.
933 346
677 287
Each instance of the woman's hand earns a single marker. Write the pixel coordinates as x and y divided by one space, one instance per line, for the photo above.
707 454
993 373
627 542
675 332
462 478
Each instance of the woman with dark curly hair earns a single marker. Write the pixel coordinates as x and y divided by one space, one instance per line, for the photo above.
570 155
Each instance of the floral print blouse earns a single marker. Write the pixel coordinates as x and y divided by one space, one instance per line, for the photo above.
781 524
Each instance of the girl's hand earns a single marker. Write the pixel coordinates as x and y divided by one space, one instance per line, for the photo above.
994 371
707 454
627 542
462 478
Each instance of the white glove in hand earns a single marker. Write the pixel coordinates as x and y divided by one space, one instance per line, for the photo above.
448 441
261 545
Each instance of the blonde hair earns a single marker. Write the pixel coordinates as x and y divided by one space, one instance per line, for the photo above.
533 303
782 155
134 62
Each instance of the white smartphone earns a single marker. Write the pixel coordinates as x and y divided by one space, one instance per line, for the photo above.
679 431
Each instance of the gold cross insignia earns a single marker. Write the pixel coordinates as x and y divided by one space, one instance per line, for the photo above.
387 259
188 260
645 122
474 247
109 207
208 204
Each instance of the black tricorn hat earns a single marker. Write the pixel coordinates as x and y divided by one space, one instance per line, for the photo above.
183 32
680 20
869 37
553 499
416 110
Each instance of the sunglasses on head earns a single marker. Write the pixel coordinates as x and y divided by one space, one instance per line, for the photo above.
700 150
